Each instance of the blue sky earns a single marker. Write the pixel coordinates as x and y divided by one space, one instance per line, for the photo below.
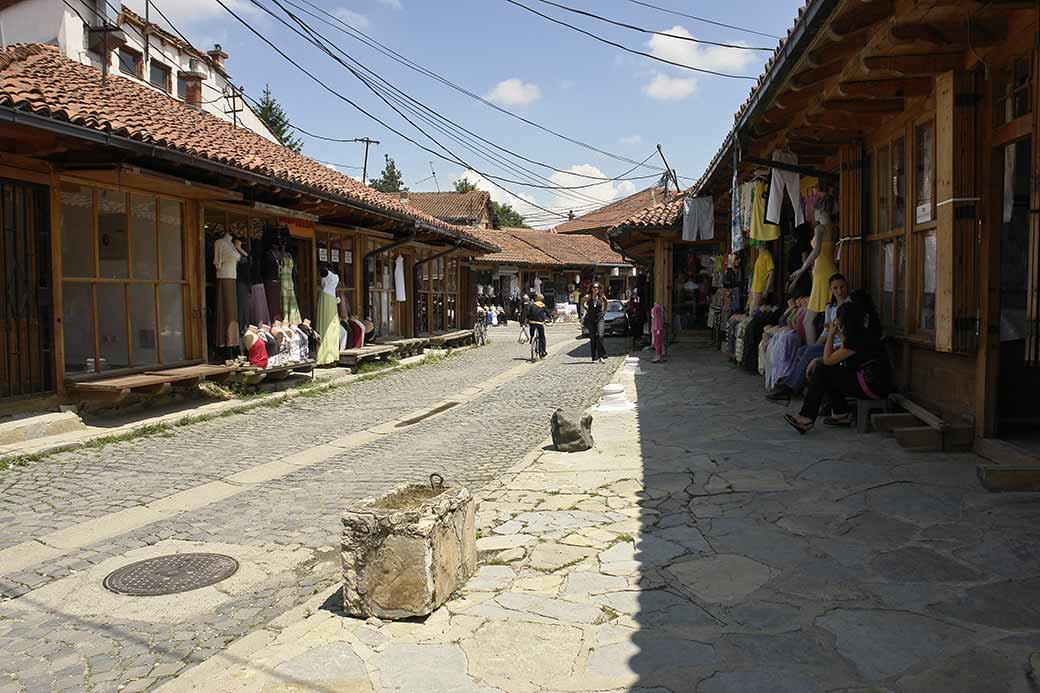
596 93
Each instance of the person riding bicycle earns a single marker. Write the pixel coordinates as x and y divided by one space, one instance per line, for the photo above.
536 317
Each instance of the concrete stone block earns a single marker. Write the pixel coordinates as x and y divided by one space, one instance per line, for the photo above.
40 426
405 552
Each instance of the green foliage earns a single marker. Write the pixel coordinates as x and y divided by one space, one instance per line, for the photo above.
391 180
272 113
464 186
507 217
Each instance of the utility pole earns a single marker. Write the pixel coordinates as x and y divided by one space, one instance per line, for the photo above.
364 170
668 168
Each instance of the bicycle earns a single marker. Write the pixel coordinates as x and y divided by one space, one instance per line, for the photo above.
538 346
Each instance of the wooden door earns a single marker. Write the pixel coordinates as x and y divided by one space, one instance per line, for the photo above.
26 304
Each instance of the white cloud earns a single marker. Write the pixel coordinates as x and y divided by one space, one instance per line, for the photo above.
354 19
665 88
603 193
632 139
393 4
525 205
698 55
514 92
189 12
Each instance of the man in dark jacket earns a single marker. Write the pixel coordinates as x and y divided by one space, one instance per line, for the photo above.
536 316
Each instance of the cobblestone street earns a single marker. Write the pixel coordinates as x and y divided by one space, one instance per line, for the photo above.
290 518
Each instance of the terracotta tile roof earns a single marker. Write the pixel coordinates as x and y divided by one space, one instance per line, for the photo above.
448 206
663 214
514 251
38 79
613 213
543 249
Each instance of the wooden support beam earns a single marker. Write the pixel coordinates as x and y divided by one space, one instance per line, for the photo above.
841 50
913 63
803 149
865 105
925 416
860 13
975 32
793 100
898 87
998 478
813 77
814 136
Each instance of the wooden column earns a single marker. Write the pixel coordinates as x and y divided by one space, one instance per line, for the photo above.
956 271
56 274
663 275
195 272
851 218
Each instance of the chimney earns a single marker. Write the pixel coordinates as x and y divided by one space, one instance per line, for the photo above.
217 55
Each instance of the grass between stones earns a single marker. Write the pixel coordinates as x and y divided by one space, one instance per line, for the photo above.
307 388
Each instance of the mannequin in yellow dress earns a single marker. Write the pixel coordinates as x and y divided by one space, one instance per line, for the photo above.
821 260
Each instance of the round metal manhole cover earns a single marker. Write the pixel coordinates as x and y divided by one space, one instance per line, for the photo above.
179 572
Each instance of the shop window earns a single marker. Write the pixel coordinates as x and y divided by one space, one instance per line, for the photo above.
451 292
131 62
898 183
77 231
893 258
437 305
381 292
123 307
1012 86
113 246
159 76
924 173
926 306
881 209
337 251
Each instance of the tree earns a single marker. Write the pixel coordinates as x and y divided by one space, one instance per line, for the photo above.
508 217
272 113
390 180
464 186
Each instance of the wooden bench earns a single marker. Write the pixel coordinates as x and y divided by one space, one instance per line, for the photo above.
452 339
353 358
862 408
152 383
409 347
253 375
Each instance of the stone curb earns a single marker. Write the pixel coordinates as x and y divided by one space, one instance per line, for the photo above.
216 409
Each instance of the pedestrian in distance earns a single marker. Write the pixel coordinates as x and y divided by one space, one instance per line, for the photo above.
595 310
536 317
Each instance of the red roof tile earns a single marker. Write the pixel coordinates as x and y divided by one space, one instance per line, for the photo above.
663 214
514 251
448 206
613 213
38 79
543 249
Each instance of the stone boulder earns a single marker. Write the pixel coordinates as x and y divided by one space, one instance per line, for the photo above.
406 552
571 430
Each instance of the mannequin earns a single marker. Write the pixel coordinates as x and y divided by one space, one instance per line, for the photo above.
287 279
255 347
225 258
328 318
270 272
821 260
762 280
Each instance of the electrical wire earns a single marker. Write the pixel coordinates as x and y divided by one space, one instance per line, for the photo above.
633 27
322 43
615 44
364 38
702 19
333 163
356 106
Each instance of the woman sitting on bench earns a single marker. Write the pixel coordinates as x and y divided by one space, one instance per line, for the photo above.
858 368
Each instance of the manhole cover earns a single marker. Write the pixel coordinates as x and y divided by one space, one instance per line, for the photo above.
179 572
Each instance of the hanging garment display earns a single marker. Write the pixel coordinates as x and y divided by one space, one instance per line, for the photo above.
784 183
225 259
698 219
736 231
328 320
399 287
290 309
763 266
760 230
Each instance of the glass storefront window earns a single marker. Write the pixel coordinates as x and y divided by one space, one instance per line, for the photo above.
113 243
143 236
77 231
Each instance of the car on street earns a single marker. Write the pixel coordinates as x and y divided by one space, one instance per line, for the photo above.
615 321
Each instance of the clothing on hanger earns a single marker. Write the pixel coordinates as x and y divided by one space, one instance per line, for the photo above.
781 183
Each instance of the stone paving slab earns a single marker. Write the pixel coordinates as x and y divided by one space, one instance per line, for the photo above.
683 554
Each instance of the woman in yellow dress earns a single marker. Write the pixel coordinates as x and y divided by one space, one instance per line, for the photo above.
821 260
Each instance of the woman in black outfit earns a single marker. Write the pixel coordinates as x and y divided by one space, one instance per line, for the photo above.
858 368
595 309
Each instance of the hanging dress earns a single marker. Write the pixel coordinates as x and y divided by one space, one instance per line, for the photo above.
822 271
290 308
328 320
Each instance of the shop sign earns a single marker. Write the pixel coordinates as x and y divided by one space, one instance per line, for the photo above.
348 256
506 269
924 213
323 255
335 255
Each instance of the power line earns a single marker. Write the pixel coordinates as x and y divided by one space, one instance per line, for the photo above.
702 19
615 44
651 31
359 35
351 102
337 165
396 94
